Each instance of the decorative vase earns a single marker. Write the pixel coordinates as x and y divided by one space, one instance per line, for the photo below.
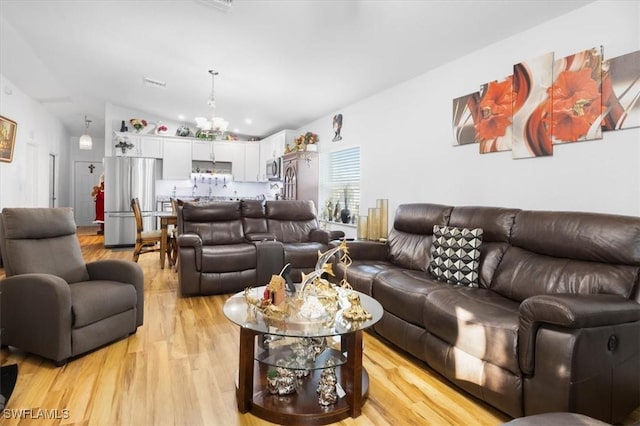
345 215
311 147
123 128
183 131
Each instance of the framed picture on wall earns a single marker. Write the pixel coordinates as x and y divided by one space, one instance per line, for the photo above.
7 138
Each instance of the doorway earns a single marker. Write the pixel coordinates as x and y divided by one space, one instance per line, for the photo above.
86 176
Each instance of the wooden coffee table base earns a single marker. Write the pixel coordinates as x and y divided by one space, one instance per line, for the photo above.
301 407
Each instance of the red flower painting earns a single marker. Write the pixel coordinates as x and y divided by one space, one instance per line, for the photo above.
495 110
576 104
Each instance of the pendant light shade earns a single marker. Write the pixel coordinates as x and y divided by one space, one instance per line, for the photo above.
85 139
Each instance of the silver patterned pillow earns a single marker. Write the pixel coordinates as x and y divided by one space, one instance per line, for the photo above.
455 255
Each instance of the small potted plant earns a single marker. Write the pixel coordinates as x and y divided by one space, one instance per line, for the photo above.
272 381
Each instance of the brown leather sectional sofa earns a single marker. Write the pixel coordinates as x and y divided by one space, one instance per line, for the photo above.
553 325
226 246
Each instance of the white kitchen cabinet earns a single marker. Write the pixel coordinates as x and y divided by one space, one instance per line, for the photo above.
238 162
225 151
150 147
272 147
126 138
252 171
202 150
143 145
176 159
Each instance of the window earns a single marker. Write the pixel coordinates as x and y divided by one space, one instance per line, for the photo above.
344 180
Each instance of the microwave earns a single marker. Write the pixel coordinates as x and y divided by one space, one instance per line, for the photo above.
273 167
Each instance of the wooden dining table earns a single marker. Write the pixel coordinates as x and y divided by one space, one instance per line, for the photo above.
166 219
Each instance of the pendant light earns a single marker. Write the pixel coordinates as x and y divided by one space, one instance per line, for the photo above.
216 126
85 139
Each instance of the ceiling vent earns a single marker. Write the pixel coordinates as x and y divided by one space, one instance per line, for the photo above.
222 5
154 83
55 100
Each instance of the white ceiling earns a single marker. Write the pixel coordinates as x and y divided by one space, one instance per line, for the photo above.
281 63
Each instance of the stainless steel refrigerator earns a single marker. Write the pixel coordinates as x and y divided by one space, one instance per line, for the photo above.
126 178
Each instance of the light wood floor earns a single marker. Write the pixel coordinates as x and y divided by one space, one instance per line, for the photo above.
179 369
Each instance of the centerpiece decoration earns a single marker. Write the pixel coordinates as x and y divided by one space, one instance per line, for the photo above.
314 305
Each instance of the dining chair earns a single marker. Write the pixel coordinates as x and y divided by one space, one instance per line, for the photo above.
173 233
147 241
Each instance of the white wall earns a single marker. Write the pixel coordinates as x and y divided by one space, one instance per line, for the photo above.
406 136
25 181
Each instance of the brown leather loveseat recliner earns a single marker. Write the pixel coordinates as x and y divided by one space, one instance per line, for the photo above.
226 246
553 324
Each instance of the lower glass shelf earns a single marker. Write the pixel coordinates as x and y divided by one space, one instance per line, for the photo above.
298 353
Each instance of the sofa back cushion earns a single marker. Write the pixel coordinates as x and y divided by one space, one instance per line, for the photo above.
496 223
570 252
410 237
216 223
254 217
291 221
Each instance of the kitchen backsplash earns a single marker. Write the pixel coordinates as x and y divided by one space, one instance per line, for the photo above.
215 186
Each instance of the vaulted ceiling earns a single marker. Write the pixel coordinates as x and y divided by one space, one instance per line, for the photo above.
282 63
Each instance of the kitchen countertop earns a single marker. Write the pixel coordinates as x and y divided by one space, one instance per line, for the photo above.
166 198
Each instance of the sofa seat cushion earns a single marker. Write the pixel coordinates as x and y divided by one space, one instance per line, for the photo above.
360 273
302 255
93 301
227 258
477 321
402 292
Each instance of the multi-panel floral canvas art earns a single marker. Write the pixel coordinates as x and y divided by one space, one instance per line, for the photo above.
549 101
621 92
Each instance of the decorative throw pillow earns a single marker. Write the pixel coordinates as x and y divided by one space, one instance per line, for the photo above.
455 255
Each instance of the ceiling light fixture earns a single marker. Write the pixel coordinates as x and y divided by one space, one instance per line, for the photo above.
221 5
85 140
216 126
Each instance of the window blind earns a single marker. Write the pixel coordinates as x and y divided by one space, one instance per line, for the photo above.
344 178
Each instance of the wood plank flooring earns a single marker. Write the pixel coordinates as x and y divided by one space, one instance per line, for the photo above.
180 367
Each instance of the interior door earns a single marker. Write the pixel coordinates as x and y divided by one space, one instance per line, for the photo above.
86 176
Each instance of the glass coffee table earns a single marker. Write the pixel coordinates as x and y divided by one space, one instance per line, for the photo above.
308 349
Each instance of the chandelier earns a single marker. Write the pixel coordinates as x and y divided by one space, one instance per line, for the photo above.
215 126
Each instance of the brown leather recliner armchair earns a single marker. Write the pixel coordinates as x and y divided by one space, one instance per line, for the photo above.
214 255
53 304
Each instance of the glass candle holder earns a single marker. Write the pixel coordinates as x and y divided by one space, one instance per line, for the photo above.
374 223
363 230
383 205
